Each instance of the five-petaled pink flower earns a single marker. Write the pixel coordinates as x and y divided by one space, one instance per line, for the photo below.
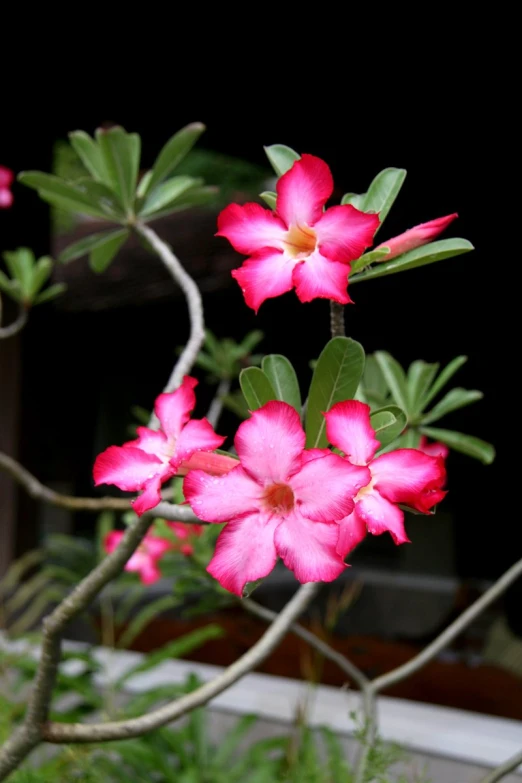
145 559
281 500
146 463
299 245
416 236
434 449
404 476
6 180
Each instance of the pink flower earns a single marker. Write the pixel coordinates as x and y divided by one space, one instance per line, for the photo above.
145 559
434 449
416 236
185 534
146 463
6 180
404 476
299 245
279 501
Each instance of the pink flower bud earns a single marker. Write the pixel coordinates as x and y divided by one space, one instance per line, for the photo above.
416 236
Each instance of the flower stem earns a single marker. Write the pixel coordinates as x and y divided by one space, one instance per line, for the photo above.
337 319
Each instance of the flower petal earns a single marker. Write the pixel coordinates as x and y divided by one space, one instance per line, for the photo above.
245 551
150 441
149 572
434 449
6 177
271 442
411 477
217 464
303 191
126 467
309 548
348 428
319 278
174 408
151 495
352 530
250 228
156 546
381 515
265 275
6 198
324 488
112 540
416 236
196 435
220 498
344 233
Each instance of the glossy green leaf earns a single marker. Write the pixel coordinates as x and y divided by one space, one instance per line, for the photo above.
452 401
355 199
257 389
421 256
173 153
90 154
65 195
283 378
466 444
446 374
50 293
86 244
41 273
374 256
281 157
20 263
102 254
336 377
102 195
419 378
395 378
121 156
388 423
269 198
8 286
167 193
383 191
194 197
144 184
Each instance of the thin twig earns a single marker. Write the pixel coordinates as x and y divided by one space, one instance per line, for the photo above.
194 304
16 326
337 319
504 769
135 727
216 406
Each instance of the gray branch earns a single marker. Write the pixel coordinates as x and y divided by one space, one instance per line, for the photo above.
194 304
216 406
17 325
500 772
337 319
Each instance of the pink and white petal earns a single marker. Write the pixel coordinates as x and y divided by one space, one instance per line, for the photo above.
303 191
380 516
112 540
352 530
250 228
265 275
180 530
150 441
309 549
217 464
434 449
319 278
271 442
126 467
6 198
196 435
344 233
149 572
324 488
411 477
220 498
245 551
348 428
6 177
151 495
156 546
174 408
310 454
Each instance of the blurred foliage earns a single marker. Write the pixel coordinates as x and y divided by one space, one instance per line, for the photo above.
27 277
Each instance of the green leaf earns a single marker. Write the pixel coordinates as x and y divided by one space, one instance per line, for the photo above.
270 198
466 444
452 401
283 378
193 197
90 154
144 617
85 245
8 286
173 153
365 260
420 376
446 374
249 342
66 195
421 256
41 273
50 293
383 191
230 742
336 377
281 157
167 193
121 156
21 263
144 184
102 254
388 423
395 378
373 380
355 199
257 389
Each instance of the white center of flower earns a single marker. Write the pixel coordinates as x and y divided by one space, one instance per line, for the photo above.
300 241
278 498
364 491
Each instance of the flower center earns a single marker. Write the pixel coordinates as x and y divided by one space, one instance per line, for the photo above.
364 491
278 497
300 241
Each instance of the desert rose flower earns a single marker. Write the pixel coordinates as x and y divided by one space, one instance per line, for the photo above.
6 180
404 476
146 463
416 236
145 559
299 245
185 534
281 500
434 449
